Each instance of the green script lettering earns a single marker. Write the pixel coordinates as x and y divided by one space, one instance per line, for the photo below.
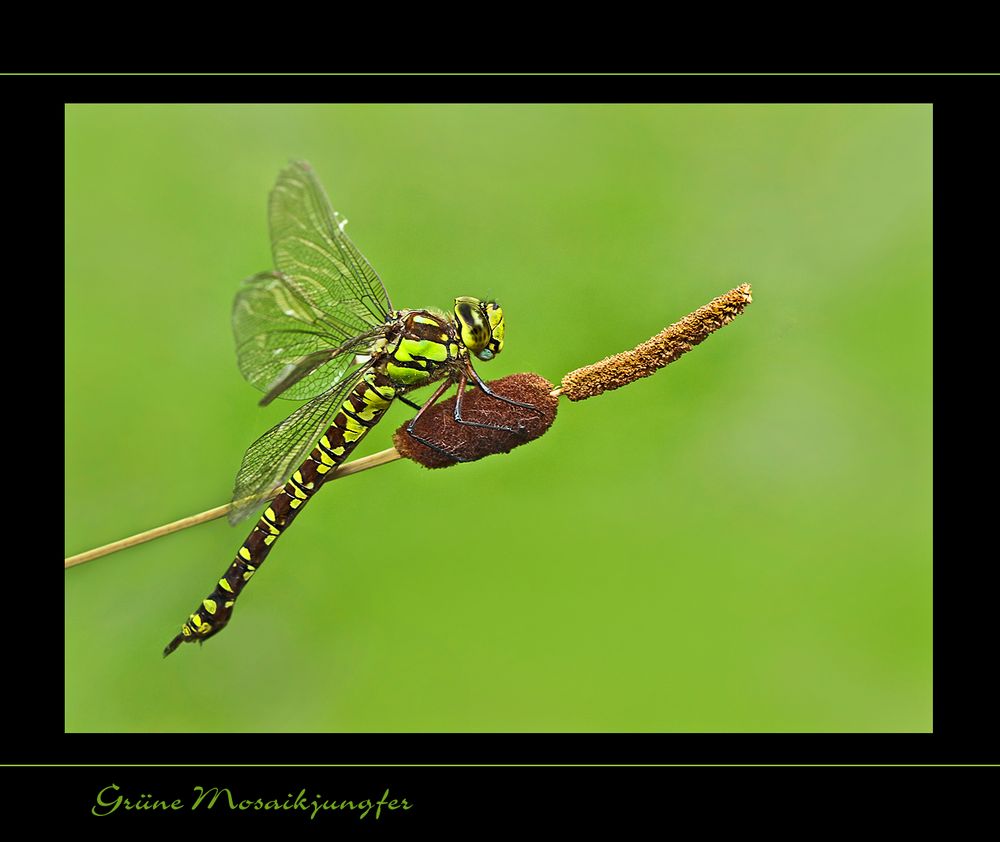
114 805
392 805
215 797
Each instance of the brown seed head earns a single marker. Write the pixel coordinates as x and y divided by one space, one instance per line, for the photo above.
471 443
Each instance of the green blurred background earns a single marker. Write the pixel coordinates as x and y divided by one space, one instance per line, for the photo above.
740 543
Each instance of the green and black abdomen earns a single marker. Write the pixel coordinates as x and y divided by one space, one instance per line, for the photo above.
360 411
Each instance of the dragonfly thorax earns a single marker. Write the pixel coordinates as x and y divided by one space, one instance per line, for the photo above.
480 325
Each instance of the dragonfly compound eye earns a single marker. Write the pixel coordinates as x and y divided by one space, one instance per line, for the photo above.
472 323
493 313
480 324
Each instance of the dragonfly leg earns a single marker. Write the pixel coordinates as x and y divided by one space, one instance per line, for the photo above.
487 390
458 412
408 402
425 441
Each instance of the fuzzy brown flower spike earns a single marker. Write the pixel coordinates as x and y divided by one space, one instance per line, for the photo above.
653 354
469 443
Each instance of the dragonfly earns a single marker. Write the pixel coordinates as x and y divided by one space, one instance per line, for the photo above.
320 326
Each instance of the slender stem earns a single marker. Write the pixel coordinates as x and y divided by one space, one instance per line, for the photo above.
362 464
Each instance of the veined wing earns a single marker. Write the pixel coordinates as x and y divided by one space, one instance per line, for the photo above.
318 259
285 345
272 459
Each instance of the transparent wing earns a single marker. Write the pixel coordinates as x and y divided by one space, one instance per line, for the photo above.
272 459
285 345
318 259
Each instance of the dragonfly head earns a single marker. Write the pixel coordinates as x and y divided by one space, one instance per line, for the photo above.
480 324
